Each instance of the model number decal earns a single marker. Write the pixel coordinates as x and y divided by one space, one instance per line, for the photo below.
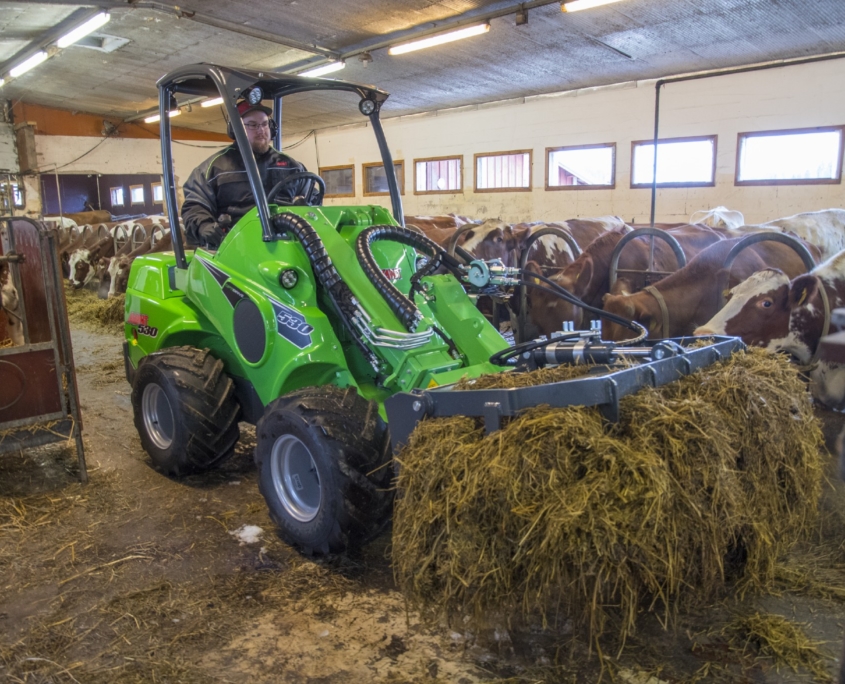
147 330
292 325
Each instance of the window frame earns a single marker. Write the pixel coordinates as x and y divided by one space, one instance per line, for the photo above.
528 188
458 191
132 201
790 181
684 184
153 187
111 196
338 168
369 165
595 146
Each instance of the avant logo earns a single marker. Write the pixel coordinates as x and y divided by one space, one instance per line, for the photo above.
392 273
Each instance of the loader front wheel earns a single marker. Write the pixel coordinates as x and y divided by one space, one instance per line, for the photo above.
324 469
185 410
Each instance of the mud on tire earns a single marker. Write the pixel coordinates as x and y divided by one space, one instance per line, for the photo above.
324 458
185 410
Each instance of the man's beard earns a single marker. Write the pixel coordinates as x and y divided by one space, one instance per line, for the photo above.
260 146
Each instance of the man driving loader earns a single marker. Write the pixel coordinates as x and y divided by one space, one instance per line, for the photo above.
217 193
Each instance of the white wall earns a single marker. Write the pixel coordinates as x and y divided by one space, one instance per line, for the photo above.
790 97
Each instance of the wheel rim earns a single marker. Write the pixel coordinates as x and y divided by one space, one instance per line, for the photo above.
295 478
158 416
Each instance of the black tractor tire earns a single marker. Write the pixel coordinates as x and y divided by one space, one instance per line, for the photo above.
324 468
185 410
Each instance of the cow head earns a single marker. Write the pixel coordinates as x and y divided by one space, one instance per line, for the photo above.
495 239
82 273
766 310
640 307
548 311
119 272
103 277
10 304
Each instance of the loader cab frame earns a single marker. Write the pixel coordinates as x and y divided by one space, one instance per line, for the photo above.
209 80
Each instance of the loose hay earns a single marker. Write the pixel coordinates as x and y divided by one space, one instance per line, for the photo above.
559 512
773 636
83 306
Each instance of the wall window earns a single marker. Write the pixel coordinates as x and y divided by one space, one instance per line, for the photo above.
340 180
438 175
503 172
158 193
116 197
790 157
136 194
375 179
582 167
681 162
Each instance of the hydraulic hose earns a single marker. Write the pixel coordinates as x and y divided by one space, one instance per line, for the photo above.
338 291
405 310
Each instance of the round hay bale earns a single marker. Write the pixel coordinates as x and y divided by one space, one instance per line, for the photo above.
704 480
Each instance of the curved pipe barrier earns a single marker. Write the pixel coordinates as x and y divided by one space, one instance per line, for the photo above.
121 237
139 235
519 333
453 241
748 240
654 233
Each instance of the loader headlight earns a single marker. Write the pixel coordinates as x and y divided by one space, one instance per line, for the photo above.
288 278
367 106
255 96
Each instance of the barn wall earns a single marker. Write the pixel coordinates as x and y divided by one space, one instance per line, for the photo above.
790 97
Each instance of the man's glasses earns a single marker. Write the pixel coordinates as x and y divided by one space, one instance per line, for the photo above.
251 125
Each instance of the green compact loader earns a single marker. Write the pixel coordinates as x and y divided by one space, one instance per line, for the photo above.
321 325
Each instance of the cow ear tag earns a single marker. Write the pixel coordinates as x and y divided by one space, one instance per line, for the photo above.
803 297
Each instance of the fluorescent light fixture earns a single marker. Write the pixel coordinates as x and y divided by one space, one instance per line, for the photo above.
82 30
30 63
576 5
156 117
212 103
439 39
2 81
323 70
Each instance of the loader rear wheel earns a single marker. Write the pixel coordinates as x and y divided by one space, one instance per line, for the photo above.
324 469
185 410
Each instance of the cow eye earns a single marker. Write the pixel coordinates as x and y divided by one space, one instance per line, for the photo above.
497 239
766 303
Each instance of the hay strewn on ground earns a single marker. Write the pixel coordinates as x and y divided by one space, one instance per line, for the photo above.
83 306
560 513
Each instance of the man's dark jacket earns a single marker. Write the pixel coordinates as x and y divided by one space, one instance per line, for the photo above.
220 186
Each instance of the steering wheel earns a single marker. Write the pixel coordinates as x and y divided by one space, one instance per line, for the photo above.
314 181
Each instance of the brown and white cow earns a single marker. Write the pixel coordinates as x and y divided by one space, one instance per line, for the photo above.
770 311
119 267
10 304
693 294
438 228
495 239
588 277
83 261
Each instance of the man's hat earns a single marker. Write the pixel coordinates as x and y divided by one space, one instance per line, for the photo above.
244 108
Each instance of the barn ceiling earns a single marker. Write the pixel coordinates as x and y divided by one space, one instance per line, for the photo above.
553 51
